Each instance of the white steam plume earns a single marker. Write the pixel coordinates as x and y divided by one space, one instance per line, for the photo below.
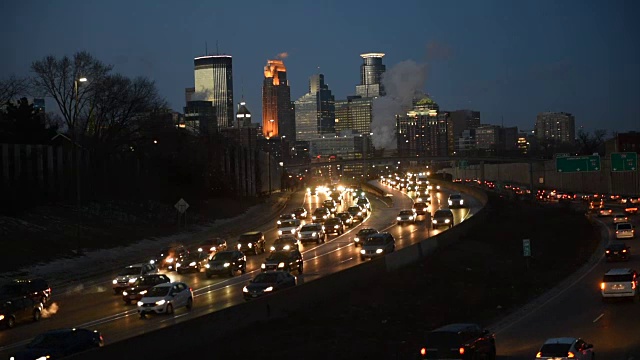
49 311
401 83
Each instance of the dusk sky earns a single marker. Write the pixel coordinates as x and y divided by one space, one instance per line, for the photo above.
509 59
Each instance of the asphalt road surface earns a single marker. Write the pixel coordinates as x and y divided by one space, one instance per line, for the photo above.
93 304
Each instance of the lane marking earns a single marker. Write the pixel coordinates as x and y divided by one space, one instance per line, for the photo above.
598 318
344 261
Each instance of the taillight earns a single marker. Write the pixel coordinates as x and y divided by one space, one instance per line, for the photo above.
571 355
461 350
539 354
633 285
607 251
602 286
423 351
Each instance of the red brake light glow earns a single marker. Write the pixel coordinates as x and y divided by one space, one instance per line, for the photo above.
461 350
571 355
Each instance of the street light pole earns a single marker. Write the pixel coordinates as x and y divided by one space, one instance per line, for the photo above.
78 162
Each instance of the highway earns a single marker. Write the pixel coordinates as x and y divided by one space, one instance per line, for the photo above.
95 306
577 310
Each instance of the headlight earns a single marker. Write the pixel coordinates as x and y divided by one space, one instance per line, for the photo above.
398 218
169 260
227 264
336 226
313 217
200 249
324 216
293 231
450 202
461 201
142 292
250 245
193 263
272 248
239 246
115 281
379 251
207 266
152 262
446 221
131 281
270 288
362 252
287 247
161 302
244 289
278 222
434 221
178 265
140 303
356 239
263 266
359 213
279 232
281 265
314 234
425 209
124 293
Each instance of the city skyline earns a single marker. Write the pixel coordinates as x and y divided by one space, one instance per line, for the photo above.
525 61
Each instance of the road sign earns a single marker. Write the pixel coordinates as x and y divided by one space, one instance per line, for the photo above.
578 163
627 161
181 206
463 164
526 247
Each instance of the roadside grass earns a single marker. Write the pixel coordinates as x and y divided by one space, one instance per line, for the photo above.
479 279
51 232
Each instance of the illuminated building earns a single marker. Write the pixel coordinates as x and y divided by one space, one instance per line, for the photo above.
277 112
371 72
556 126
355 113
214 82
423 130
200 118
315 111
243 116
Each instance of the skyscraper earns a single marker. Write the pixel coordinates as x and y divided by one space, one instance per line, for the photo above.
277 115
371 72
243 116
556 126
214 82
315 111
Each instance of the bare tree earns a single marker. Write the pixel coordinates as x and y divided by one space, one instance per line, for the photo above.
12 88
589 144
59 79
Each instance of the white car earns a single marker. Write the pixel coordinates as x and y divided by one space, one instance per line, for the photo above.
455 200
165 298
619 282
620 218
625 231
566 348
288 227
406 216
130 274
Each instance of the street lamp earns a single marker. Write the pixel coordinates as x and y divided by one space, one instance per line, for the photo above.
75 85
78 163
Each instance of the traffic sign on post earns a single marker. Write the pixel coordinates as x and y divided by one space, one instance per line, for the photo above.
578 163
627 161
526 247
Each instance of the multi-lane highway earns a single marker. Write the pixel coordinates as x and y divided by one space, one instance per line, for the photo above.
576 309
95 306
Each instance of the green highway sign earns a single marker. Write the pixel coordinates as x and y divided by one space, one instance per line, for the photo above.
627 161
570 164
526 247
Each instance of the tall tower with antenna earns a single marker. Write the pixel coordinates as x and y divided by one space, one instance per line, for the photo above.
213 76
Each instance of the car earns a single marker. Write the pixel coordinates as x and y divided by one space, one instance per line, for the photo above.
420 208
619 282
301 213
287 242
166 258
346 218
312 232
631 208
267 282
459 341
287 260
252 242
129 274
140 287
620 218
617 251
59 343
336 196
455 201
334 226
364 203
312 192
596 205
406 216
442 217
362 234
194 262
165 298
226 263
288 227
19 309
357 212
605 211
37 289
284 217
212 245
566 348
377 245
625 231
320 214
331 205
